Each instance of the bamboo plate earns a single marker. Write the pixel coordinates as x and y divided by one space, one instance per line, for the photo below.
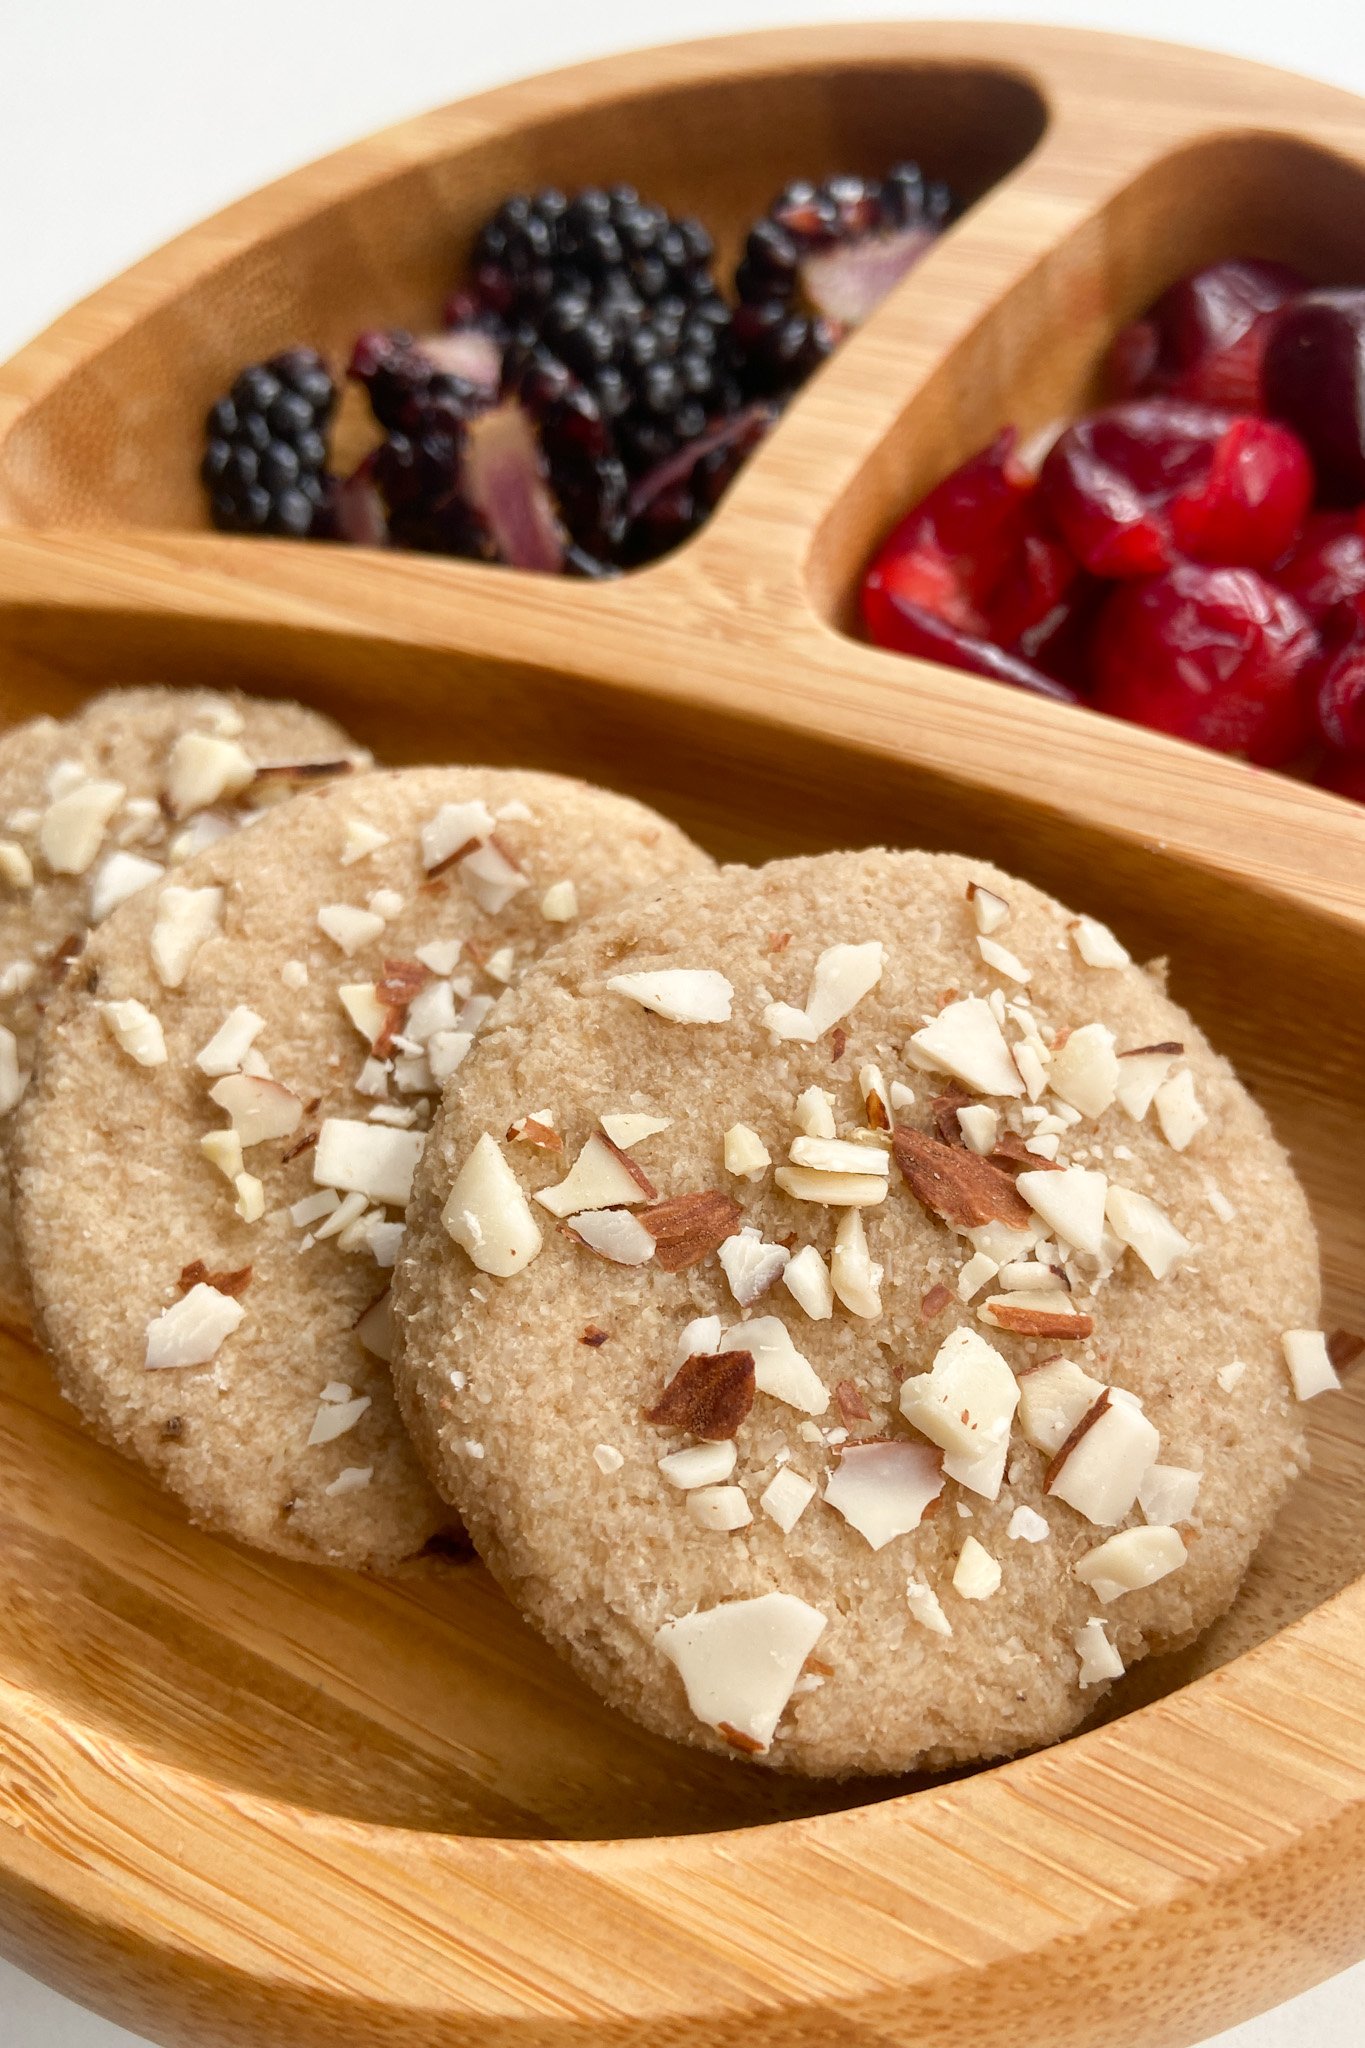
245 1802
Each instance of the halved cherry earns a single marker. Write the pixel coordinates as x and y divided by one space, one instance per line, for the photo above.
910 628
1214 655
1339 681
953 548
1327 568
1135 486
1206 336
1315 380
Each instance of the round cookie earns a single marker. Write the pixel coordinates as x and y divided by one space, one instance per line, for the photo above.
71 845
219 1313
899 1435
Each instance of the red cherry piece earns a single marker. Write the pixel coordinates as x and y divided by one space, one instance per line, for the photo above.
909 628
1254 501
1033 584
1135 485
954 546
1327 568
1217 656
1344 774
1315 380
1339 697
1205 337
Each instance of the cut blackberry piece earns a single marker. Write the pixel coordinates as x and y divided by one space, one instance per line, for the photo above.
818 263
538 245
403 373
657 373
265 455
680 494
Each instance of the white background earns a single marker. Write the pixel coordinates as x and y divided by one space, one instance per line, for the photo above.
123 121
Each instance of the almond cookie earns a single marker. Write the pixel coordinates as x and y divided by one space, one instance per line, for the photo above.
232 1088
95 806
839 1303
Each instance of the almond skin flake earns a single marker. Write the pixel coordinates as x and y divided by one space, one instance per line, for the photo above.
1012 1155
709 1395
530 1131
934 1302
955 1184
593 1337
687 1227
1040 1322
944 1108
233 1283
850 1403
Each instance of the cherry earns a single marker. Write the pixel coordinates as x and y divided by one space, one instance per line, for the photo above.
1214 655
1339 693
1134 486
954 546
1205 337
1314 377
1034 583
1345 774
910 628
1327 568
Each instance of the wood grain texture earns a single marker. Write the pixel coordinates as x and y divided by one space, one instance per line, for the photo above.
245 1802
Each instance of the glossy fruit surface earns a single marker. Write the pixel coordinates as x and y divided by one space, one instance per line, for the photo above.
1339 682
1134 487
1314 379
1205 337
1218 656
1327 567
952 551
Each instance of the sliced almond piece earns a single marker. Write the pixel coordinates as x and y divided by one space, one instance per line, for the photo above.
487 1214
16 869
1310 1363
370 1159
966 1041
349 927
927 1608
119 876
687 1228
831 1190
750 1265
746 1155
375 1328
1141 1073
1034 1312
965 1404
699 1465
136 1030
74 825
980 1127
977 1574
231 1042
955 1184
786 1497
780 1370
223 1149
1054 1397
631 1129
989 910
806 1278
258 1109
1179 1111
1002 960
719 1508
815 1113
1026 1525
1085 1071
1137 1222
838 1155
203 769
855 1276
1071 1203
360 1000
972 1277
1100 1661
1130 1561
362 839
491 877
191 1330
1097 945
454 833
684 995
883 1489
185 918
1168 1494
602 1177
739 1662
613 1234
1104 1461
710 1394
842 976
559 903
336 1418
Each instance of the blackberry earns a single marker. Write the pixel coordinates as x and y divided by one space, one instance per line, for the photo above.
818 263
265 462
658 372
402 374
586 474
682 492
538 245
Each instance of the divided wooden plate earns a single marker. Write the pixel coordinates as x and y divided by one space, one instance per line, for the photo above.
246 1802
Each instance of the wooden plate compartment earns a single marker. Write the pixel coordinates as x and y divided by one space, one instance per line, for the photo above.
243 1802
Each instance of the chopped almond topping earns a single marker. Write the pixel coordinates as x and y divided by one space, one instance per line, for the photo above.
593 1337
956 1184
849 1400
934 1302
529 1130
884 1489
233 1283
1024 1321
778 942
838 1043
709 1395
687 1227
944 1108
737 1739
1012 1155
989 910
602 1177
